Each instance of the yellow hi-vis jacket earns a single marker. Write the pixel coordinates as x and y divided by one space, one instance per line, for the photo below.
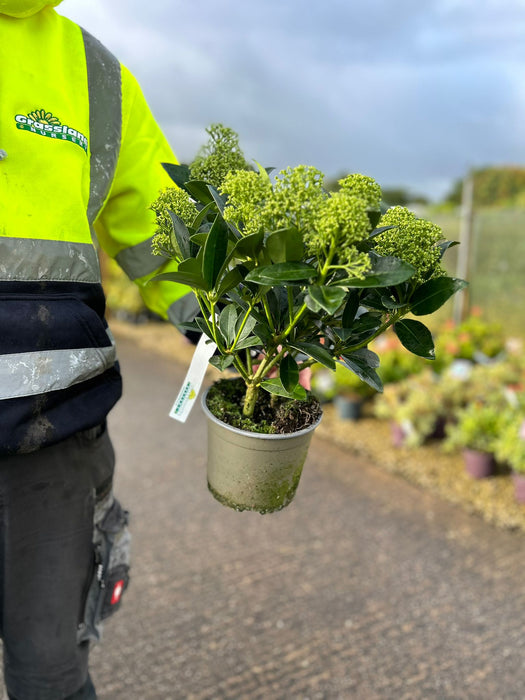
80 155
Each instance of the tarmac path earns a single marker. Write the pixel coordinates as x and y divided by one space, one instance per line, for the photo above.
364 588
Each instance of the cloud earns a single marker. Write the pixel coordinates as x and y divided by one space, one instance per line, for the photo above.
412 93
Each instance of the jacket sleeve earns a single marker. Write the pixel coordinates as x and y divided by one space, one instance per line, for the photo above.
126 224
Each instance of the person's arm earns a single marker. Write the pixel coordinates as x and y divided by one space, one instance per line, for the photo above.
126 223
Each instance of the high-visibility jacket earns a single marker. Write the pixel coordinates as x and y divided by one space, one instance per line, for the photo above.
80 156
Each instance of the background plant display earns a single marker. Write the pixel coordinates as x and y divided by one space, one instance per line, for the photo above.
288 273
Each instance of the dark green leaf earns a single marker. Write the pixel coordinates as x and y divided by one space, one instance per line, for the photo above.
374 216
221 362
364 362
187 278
285 245
230 280
197 221
281 273
182 235
350 309
204 327
443 247
248 326
364 327
431 295
278 303
328 298
180 174
251 341
199 190
379 230
218 198
275 386
415 337
386 272
317 351
249 246
199 238
215 250
227 323
289 373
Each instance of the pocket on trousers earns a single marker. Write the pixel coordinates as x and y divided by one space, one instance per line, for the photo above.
110 577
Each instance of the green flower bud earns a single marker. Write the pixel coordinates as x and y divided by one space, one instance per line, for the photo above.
412 240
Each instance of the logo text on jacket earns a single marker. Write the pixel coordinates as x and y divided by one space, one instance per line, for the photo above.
46 124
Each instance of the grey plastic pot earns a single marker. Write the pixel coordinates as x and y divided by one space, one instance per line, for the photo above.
254 471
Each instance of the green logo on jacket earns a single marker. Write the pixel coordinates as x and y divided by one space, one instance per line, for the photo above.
46 124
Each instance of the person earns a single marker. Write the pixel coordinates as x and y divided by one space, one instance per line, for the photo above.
80 162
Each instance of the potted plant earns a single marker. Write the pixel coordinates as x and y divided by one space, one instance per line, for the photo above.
475 432
414 407
351 393
286 275
510 448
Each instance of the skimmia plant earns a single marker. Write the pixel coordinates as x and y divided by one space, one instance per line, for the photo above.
287 274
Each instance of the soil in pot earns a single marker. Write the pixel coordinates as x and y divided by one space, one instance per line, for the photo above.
273 414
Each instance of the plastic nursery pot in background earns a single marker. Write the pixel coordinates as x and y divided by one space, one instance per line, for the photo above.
254 471
478 465
348 408
519 486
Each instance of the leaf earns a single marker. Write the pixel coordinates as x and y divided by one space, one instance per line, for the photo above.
248 326
218 198
379 230
281 273
445 245
197 221
187 278
215 250
350 310
227 322
317 351
278 303
363 363
386 272
180 174
230 280
285 245
416 337
250 342
249 246
374 215
363 327
275 386
182 235
431 295
221 362
199 190
204 327
199 238
289 373
328 298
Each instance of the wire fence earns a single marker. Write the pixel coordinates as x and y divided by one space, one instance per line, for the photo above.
496 266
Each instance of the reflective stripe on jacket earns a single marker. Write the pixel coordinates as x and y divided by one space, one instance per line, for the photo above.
82 158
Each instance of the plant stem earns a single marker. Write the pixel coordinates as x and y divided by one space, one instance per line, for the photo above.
250 399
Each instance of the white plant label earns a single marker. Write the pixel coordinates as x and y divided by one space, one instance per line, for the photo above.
191 386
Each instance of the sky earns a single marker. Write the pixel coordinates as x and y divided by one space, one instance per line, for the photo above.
414 93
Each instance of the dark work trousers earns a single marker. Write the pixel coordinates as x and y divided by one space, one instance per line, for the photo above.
46 563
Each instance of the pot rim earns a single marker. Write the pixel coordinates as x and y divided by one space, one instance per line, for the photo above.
250 433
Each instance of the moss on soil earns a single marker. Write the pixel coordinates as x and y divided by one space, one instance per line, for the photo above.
273 414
